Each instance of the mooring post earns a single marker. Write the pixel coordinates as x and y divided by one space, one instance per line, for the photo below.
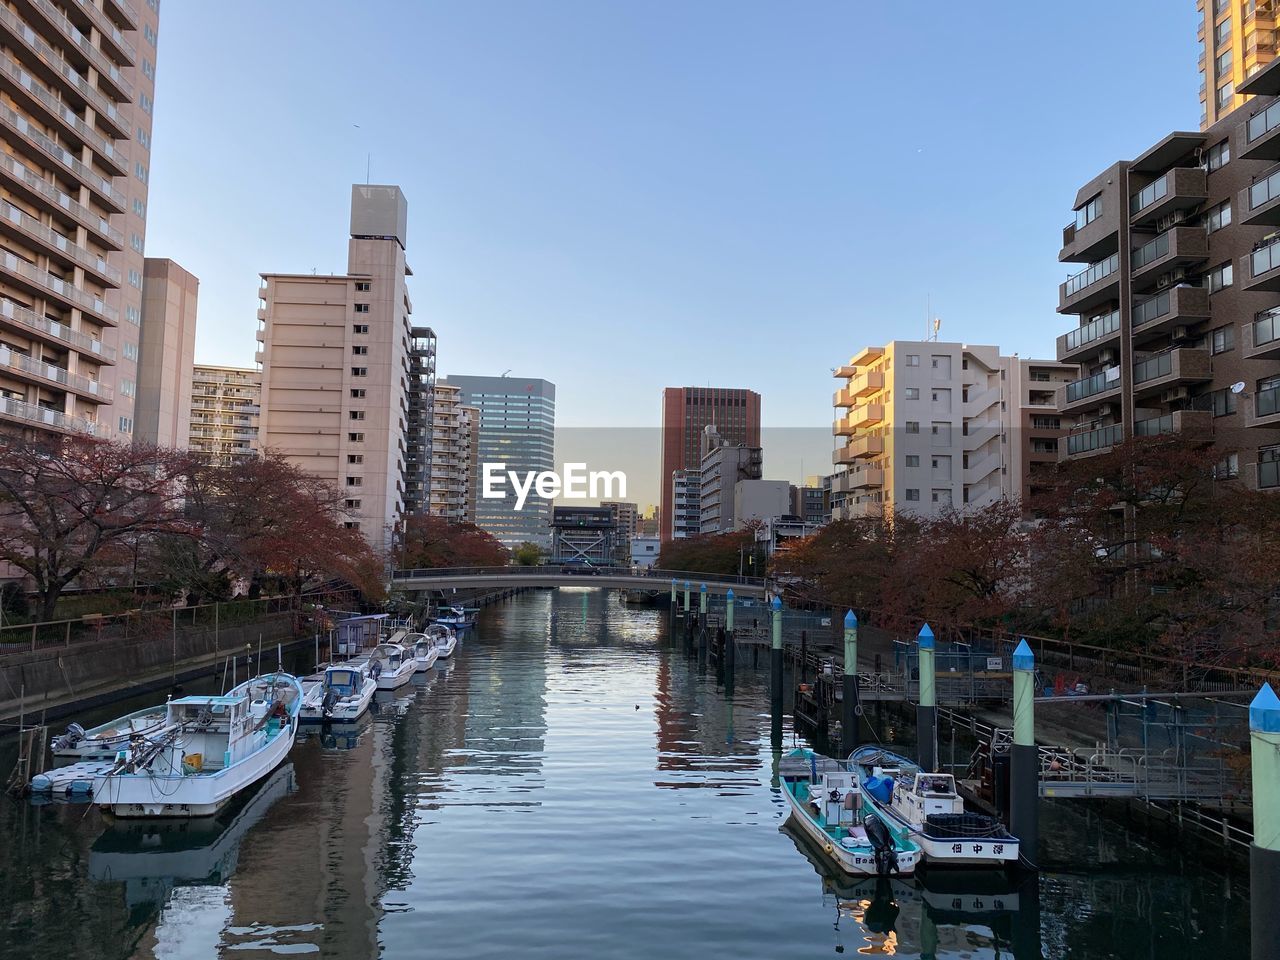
850 711
702 603
1024 762
775 661
727 653
927 706
673 596
686 596
1264 852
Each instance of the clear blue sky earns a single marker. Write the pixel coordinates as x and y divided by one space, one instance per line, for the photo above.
625 196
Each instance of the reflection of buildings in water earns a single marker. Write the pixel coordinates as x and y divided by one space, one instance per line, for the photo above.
698 727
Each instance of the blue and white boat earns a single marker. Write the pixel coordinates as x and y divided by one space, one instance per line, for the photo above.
104 741
826 805
391 665
341 693
927 807
456 617
210 748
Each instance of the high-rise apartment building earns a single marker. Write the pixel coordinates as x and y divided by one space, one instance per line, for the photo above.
454 456
419 431
225 404
335 361
517 427
1038 430
722 468
626 515
686 505
930 427
1236 39
1178 305
169 295
686 412
75 123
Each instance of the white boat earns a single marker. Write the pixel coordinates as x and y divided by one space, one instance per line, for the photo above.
927 806
826 805
340 694
425 653
391 665
211 748
445 638
456 617
104 741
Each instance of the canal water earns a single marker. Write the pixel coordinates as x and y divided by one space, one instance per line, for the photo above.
574 784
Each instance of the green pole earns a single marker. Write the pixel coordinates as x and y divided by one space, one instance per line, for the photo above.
673 593
1264 854
927 708
775 660
702 601
686 596
1024 760
727 654
849 709
728 611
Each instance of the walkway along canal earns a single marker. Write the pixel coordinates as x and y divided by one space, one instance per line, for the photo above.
578 782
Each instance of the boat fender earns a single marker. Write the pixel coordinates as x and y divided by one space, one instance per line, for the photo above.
827 848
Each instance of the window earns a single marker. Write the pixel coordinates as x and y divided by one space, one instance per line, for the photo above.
355 458
357 393
355 438
1219 216
1224 63
1268 467
1223 32
128 388
1222 402
148 69
1088 213
130 351
1225 93
912 393
352 504
1228 468
135 241
1046 423
135 279
140 171
913 360
363 286
943 497
144 138
1222 339
360 350
354 481
126 424
913 460
1220 277
351 524
359 371
1218 155
145 103
140 208
913 426
356 414
913 494
362 308
359 328
149 34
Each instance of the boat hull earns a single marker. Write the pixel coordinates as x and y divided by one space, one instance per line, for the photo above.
853 863
344 711
423 664
395 679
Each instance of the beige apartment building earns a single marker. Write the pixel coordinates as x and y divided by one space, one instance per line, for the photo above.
455 456
1236 39
169 295
335 366
225 406
77 88
929 427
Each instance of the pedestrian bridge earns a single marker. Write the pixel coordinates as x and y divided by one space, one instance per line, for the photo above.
619 578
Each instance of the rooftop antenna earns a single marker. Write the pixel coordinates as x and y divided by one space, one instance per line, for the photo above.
506 371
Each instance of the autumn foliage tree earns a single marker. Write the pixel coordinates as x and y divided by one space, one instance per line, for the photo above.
721 553
430 541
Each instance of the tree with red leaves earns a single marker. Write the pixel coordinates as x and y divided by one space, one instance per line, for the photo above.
431 541
721 553
71 508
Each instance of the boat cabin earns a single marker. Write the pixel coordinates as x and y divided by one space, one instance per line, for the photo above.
834 796
918 795
392 654
343 680
217 731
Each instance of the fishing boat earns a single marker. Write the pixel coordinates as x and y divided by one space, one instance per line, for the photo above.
391 665
927 806
446 639
456 617
826 804
104 741
340 693
210 749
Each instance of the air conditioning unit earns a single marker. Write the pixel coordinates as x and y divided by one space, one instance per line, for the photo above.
1170 220
1174 394
1181 332
1107 356
1107 410
1172 277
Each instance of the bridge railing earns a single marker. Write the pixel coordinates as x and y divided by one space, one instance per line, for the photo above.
662 578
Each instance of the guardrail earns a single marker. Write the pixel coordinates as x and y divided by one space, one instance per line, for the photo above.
661 578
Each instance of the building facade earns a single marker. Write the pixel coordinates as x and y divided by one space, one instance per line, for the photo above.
686 412
723 466
335 366
1039 431
454 456
79 90
419 431
756 500
929 427
168 350
517 420
583 535
225 405
809 502
1177 307
686 505
1236 39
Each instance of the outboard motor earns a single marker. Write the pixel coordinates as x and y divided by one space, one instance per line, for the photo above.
376 670
330 701
74 734
882 842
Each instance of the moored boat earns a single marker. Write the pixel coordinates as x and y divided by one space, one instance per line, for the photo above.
391 665
826 804
425 653
928 807
211 748
104 741
339 694
456 617
445 638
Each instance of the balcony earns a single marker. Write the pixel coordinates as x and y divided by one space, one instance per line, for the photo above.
1266 409
1087 339
1259 203
866 384
1091 442
32 324
866 479
56 245
1194 424
1178 247
1180 189
1091 287
1262 135
1261 268
46 195
1088 392
111 34
57 377
128 16
1175 306
1177 367
54 67
42 147
108 72
1262 336
31 415
46 284
859 448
